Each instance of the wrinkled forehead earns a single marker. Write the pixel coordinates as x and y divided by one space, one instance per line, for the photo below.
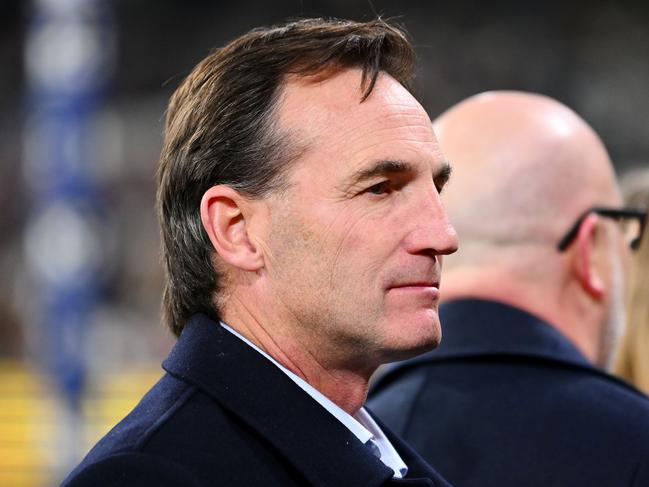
331 109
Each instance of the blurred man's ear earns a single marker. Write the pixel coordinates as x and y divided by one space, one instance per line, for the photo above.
587 258
225 213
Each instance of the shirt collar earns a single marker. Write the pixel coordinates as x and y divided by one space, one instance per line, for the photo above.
361 424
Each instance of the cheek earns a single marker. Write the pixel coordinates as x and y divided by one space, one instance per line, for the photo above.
361 254
335 227
341 242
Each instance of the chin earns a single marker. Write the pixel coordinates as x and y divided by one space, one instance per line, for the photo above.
416 337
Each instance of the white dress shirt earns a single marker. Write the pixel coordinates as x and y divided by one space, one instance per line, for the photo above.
361 424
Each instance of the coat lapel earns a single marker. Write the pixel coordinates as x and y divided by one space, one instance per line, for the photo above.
252 388
418 469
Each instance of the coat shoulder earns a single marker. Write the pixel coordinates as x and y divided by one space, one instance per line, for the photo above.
125 446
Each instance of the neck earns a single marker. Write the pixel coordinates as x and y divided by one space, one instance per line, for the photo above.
560 304
343 385
585 324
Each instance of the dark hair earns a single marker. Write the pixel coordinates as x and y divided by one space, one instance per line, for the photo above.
220 129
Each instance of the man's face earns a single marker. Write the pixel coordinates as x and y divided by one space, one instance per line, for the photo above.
354 249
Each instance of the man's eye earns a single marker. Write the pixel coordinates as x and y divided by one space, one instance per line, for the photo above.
379 188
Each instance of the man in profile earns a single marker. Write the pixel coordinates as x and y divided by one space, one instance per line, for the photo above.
302 231
534 301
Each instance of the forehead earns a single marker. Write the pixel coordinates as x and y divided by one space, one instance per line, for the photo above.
327 117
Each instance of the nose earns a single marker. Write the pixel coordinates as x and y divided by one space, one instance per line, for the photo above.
432 231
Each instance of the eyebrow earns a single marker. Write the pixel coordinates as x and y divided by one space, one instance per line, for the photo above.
442 174
381 168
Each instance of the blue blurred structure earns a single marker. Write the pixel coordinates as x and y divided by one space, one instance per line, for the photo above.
70 48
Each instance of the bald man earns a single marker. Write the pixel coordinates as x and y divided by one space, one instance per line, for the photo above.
517 394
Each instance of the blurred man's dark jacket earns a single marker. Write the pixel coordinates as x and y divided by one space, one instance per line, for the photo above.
507 400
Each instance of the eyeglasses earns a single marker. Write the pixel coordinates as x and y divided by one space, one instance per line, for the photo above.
632 221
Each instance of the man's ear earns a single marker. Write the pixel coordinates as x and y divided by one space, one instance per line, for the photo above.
586 262
225 215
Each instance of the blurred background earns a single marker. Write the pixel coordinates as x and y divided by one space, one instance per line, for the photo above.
83 90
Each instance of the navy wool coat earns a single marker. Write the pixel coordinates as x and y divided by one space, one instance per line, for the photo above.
507 400
224 415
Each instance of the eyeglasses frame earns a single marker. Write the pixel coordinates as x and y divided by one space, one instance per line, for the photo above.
616 213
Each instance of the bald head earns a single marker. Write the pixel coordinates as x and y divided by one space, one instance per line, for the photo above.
525 167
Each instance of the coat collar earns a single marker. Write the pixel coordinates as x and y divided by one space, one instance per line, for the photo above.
475 328
479 327
252 388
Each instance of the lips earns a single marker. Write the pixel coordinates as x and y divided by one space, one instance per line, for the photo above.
416 292
407 277
416 284
410 282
